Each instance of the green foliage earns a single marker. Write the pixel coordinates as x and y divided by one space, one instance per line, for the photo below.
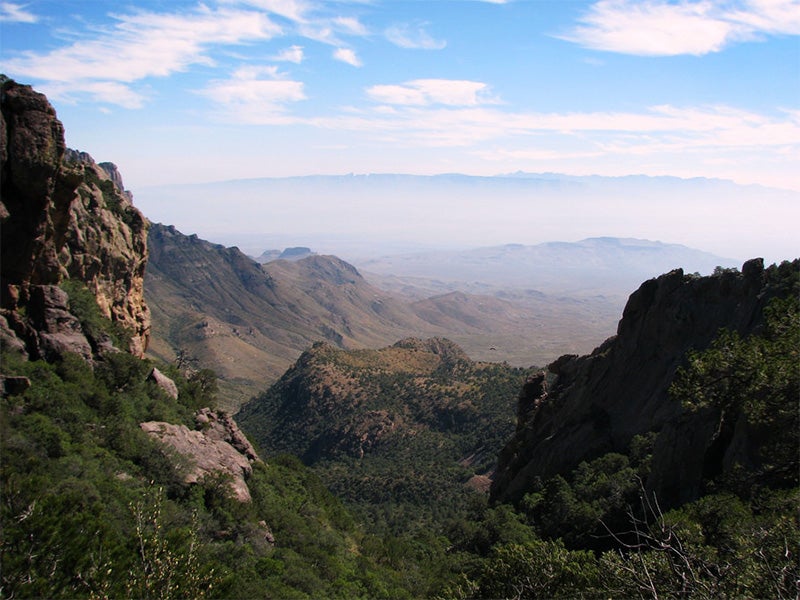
717 547
93 507
757 380
96 326
595 499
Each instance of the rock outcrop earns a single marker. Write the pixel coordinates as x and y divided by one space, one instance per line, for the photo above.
216 446
63 217
164 382
589 405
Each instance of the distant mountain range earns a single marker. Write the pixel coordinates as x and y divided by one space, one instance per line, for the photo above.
358 216
596 266
523 304
249 322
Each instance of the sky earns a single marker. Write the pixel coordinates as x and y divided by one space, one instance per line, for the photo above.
180 91
175 91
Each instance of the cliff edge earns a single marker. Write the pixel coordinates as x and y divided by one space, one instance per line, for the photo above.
63 217
584 407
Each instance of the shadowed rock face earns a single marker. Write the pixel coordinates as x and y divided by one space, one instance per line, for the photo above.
63 217
597 403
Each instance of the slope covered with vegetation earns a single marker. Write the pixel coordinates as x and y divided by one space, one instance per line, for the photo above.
93 507
398 432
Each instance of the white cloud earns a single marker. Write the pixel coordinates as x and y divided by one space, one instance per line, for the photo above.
694 141
108 92
16 13
294 10
350 25
405 35
346 55
254 95
769 16
293 54
662 28
421 92
139 46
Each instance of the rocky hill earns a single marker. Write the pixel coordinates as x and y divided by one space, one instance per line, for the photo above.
64 217
587 406
410 424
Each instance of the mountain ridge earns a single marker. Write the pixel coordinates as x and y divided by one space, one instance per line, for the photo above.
250 321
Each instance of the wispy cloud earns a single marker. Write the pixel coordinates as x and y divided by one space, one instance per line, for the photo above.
707 131
662 28
293 54
137 47
421 92
16 13
414 36
254 95
347 55
350 26
293 10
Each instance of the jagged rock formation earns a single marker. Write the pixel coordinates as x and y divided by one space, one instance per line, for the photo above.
587 406
216 446
63 217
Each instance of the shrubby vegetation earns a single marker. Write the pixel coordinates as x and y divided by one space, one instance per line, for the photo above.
92 507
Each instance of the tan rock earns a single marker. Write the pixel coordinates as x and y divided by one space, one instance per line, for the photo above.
164 382
63 216
218 446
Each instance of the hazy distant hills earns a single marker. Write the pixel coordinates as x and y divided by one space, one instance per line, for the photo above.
598 266
221 308
249 322
358 216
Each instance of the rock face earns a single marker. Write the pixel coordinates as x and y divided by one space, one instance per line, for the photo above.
165 383
218 445
587 406
63 217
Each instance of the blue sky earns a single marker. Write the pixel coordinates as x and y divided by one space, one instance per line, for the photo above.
178 91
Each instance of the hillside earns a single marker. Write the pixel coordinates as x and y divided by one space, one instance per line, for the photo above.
408 425
222 310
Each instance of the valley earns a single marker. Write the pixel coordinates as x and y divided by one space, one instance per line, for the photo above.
249 320
396 440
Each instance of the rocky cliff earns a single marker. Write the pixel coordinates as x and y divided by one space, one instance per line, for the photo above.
63 217
590 405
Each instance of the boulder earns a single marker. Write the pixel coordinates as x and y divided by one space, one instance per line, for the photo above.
164 382
217 446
